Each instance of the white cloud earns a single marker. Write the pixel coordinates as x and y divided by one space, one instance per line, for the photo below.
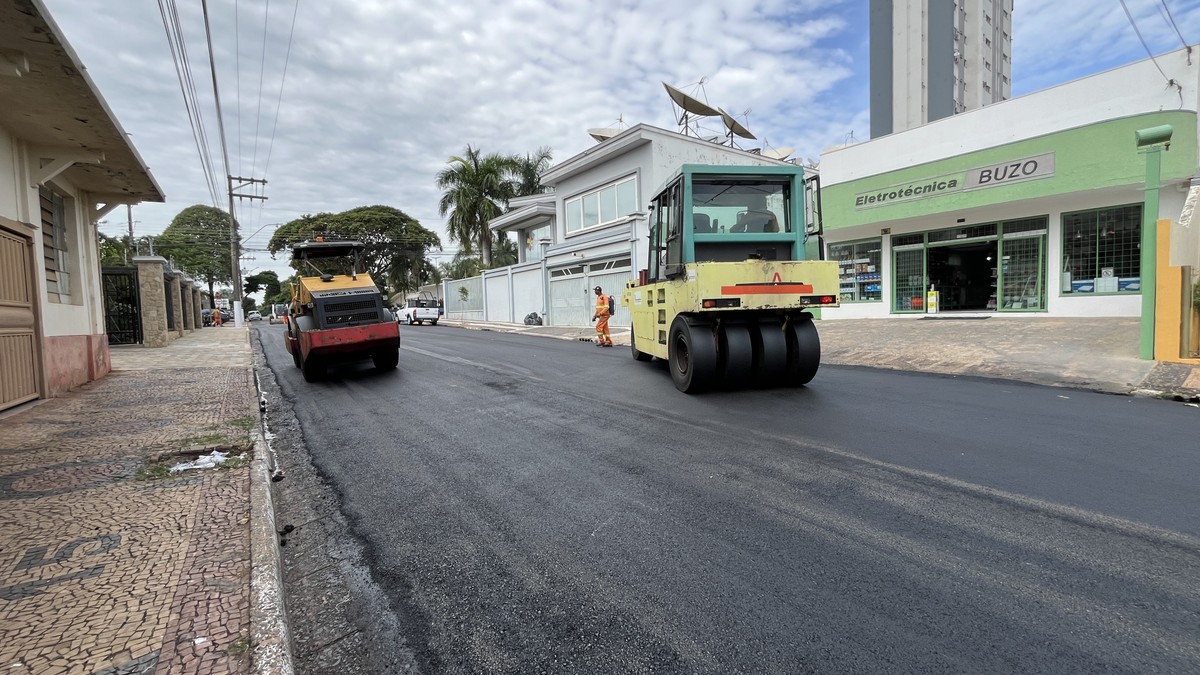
379 94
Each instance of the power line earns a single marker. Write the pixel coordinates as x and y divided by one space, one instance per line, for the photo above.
262 70
1143 41
279 102
1171 20
179 56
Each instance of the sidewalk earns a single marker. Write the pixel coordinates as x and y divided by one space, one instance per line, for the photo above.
111 563
1087 353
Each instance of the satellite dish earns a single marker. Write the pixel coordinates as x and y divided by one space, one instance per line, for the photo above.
601 134
781 153
690 104
735 128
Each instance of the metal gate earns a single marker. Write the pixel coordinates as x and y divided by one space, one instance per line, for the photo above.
122 309
19 356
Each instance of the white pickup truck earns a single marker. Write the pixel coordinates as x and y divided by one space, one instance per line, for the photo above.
418 311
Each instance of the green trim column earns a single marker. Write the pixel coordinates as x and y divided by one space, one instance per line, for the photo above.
1151 141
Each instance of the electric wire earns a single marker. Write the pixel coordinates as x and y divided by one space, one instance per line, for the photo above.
237 67
1143 41
262 70
179 58
279 102
191 86
1171 20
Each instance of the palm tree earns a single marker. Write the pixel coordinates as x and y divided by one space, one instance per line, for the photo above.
527 171
477 189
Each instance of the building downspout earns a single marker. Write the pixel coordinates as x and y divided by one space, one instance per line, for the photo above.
1152 142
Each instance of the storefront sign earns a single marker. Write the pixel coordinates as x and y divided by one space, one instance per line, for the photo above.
1015 171
1028 168
929 187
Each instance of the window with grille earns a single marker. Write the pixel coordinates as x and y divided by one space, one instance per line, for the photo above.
55 243
1102 250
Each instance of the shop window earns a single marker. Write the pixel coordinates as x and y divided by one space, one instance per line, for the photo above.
1102 250
55 244
859 270
602 206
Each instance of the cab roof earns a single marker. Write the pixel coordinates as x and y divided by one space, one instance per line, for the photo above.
326 249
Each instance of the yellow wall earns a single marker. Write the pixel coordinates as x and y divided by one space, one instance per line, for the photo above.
1170 314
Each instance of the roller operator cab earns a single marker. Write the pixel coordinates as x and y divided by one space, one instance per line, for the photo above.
734 264
337 313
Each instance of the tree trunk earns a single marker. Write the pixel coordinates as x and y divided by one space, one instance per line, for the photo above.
485 244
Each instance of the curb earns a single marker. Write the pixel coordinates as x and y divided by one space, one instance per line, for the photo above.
271 651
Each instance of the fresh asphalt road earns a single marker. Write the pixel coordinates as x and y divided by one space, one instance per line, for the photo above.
537 505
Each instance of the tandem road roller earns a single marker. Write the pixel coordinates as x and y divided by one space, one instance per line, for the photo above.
725 297
337 313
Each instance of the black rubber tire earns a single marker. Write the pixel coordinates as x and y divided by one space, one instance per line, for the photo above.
433 323
770 353
692 350
295 348
639 355
735 355
385 359
804 350
313 369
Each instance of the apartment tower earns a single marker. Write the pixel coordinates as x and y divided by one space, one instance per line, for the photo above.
934 58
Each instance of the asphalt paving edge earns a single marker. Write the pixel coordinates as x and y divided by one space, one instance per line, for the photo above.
271 648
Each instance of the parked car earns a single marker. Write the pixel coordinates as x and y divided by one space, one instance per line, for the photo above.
417 312
254 315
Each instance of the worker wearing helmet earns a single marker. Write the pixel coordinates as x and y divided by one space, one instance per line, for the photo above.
603 336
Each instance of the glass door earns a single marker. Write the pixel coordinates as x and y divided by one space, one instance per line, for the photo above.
1022 273
908 266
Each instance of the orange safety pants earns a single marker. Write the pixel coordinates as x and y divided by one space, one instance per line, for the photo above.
603 336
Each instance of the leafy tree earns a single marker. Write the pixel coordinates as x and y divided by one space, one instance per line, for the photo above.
395 244
113 250
249 303
464 265
284 295
197 240
267 281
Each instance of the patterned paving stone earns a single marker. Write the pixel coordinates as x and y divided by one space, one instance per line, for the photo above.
106 567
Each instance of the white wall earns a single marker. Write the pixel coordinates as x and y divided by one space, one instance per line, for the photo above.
497 293
528 291
9 178
1129 90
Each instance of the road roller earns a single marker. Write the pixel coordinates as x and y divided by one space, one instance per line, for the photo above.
734 271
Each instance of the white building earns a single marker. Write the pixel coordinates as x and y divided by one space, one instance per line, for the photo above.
64 163
590 230
931 59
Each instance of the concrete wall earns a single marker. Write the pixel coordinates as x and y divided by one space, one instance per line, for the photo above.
498 295
529 293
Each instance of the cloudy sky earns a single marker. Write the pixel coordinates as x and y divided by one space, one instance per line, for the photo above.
378 94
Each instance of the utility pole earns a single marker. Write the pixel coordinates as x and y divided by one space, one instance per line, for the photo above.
234 244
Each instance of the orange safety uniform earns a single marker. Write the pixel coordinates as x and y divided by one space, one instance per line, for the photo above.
603 336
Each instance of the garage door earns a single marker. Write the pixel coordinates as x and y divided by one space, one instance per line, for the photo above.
18 342
572 301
